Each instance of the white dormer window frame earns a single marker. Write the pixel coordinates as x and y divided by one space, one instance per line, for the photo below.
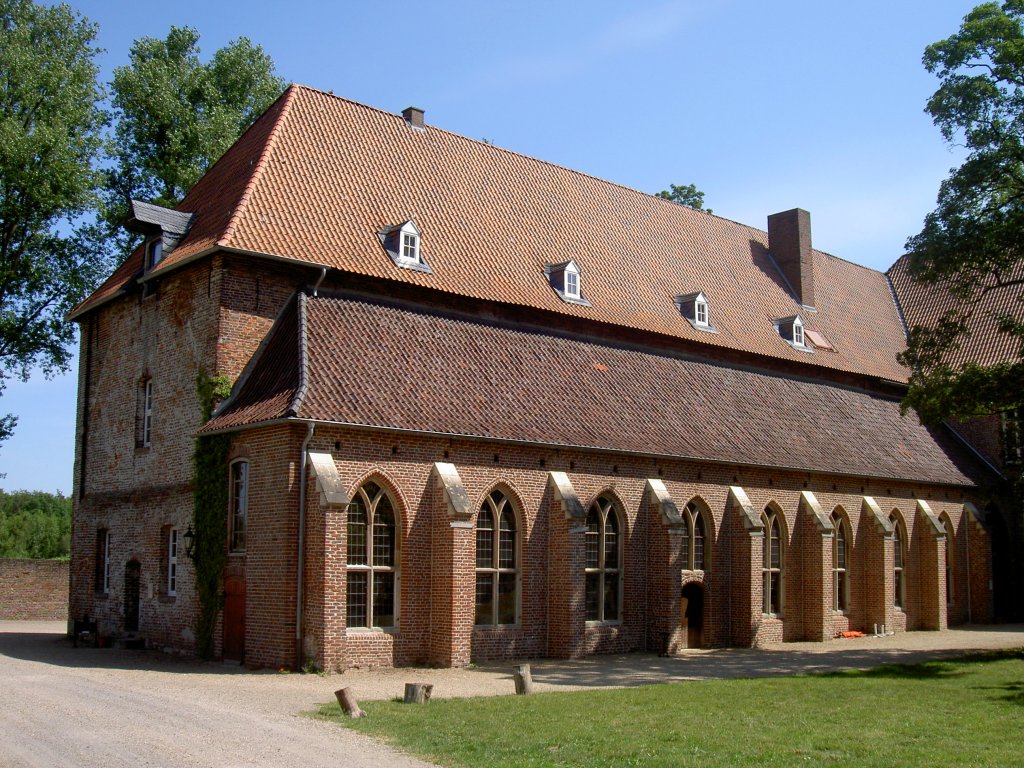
696 308
409 243
566 280
404 245
791 329
700 312
572 282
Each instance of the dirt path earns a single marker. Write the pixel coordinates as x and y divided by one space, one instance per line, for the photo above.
85 707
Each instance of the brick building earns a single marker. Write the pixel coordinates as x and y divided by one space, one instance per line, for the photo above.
487 407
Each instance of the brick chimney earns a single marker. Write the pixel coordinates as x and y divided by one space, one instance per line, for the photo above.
789 241
413 116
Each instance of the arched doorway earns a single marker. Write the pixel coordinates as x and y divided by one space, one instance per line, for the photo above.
1004 585
691 614
132 581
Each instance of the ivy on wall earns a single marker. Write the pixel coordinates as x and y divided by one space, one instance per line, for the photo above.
209 521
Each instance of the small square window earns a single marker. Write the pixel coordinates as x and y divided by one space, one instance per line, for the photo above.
566 281
403 244
701 312
696 309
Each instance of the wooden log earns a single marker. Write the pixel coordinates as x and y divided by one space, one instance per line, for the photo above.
417 693
348 703
524 680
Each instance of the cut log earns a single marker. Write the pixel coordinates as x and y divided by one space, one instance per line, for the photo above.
524 680
417 693
348 703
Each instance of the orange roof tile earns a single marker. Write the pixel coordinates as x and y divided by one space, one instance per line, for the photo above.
924 305
317 176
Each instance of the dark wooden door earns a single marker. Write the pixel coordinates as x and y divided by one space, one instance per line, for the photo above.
234 618
132 580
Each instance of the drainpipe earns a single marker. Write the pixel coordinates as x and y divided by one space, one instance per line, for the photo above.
302 546
323 274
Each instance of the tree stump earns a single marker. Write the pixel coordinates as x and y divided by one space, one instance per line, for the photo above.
524 680
348 703
417 693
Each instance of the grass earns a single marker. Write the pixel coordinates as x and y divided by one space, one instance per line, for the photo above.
962 712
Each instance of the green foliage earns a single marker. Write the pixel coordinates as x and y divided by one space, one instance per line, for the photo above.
50 140
688 195
176 115
35 525
973 242
941 713
210 496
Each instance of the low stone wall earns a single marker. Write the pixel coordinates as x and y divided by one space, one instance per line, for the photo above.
34 590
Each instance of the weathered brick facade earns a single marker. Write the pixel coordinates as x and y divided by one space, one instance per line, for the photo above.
256 320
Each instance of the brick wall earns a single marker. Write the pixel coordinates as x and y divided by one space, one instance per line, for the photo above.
34 590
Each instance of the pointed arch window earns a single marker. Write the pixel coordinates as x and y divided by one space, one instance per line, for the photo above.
899 554
604 562
372 560
773 563
497 562
694 539
840 564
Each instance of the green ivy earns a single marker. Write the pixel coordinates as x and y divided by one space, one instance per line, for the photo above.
210 495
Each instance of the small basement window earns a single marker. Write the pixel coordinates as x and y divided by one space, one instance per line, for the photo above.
696 309
403 243
565 280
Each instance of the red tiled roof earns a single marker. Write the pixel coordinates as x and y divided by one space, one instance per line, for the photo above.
392 368
924 305
317 177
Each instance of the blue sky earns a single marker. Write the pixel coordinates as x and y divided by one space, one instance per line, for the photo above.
764 106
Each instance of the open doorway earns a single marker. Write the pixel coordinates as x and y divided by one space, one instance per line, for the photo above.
691 614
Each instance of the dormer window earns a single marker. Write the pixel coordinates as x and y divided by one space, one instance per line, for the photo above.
572 284
154 252
695 308
565 280
403 244
792 330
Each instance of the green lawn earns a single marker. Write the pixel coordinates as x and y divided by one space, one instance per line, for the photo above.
965 712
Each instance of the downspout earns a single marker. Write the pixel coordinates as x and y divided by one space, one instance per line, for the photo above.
323 274
302 537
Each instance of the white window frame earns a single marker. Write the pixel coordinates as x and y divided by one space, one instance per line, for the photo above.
899 562
572 282
798 332
147 413
239 513
840 572
106 562
409 244
172 562
769 519
700 313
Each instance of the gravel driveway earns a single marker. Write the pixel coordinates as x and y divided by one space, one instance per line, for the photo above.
65 706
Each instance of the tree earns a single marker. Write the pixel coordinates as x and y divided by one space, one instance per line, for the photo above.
175 116
50 139
35 524
688 195
972 244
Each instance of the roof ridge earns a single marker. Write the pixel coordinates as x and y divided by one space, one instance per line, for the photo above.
523 155
268 147
300 391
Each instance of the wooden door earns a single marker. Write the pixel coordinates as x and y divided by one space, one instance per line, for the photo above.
234 618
